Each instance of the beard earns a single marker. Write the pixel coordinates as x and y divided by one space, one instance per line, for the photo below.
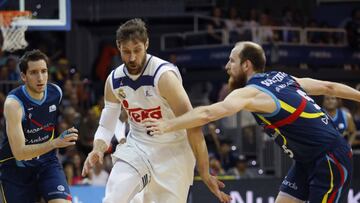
134 68
237 81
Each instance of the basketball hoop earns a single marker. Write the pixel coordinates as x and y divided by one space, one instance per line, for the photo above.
13 35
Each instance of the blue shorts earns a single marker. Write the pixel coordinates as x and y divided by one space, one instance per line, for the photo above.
327 179
28 184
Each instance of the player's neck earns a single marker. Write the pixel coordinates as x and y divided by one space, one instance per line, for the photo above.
33 94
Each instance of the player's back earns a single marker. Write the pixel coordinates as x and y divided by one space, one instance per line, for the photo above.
298 125
39 119
141 99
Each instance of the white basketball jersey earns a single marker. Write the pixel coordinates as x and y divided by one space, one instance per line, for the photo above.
141 99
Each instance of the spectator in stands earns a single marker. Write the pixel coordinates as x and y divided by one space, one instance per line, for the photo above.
4 73
13 70
216 169
353 29
241 168
313 37
78 162
71 117
267 34
233 25
87 129
225 155
288 20
69 169
68 89
212 139
215 24
98 175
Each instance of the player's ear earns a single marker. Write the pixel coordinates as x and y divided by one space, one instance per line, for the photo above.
147 44
118 44
22 75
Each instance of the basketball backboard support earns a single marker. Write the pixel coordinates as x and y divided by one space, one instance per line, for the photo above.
47 15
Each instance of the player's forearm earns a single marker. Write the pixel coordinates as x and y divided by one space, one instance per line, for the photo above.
198 145
343 91
100 145
197 117
31 151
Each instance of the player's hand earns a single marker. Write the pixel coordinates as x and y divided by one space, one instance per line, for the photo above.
66 138
93 158
155 126
214 186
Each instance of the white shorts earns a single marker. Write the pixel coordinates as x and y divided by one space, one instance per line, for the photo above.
166 170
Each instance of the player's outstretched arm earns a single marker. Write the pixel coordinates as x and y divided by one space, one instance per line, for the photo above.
237 100
13 114
319 87
172 90
106 129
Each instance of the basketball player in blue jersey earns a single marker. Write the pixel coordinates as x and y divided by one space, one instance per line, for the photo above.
28 163
282 106
341 118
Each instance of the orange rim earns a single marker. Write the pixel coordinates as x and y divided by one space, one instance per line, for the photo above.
6 17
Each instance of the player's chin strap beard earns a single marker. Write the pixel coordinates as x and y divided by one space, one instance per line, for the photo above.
237 82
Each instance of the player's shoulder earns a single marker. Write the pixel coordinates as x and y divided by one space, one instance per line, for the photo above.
117 72
12 101
155 64
54 91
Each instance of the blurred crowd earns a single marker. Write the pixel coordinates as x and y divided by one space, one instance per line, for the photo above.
232 25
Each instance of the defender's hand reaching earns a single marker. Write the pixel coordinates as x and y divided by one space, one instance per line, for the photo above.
155 126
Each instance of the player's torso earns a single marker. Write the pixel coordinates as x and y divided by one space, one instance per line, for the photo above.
298 125
141 99
39 119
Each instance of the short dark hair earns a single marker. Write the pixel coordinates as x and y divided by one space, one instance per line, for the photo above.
134 29
33 55
254 53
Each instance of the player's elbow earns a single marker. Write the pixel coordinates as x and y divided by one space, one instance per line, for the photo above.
329 89
19 156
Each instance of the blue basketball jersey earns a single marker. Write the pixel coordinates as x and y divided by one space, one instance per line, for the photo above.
340 120
38 123
298 124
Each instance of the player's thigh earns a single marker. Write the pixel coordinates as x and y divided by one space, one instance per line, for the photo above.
284 198
18 185
161 190
59 201
295 184
331 179
123 184
52 183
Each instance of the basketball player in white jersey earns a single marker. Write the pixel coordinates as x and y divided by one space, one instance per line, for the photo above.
160 167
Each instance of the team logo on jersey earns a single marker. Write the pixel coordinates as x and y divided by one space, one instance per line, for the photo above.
121 93
61 188
147 93
52 108
341 126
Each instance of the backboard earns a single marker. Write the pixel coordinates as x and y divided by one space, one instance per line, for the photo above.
46 14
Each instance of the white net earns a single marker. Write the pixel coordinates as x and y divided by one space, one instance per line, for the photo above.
13 35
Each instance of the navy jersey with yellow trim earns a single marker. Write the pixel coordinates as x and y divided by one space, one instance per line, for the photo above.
38 122
298 125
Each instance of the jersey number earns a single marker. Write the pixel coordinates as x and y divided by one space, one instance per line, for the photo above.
303 94
288 151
